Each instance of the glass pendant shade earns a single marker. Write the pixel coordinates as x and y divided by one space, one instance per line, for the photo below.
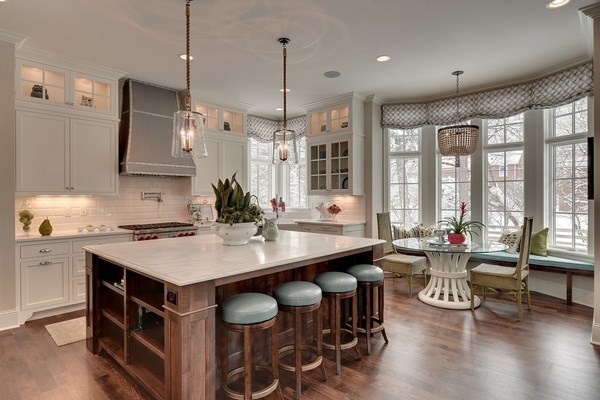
188 135
284 147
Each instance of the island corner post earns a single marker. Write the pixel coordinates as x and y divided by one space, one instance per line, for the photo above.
175 355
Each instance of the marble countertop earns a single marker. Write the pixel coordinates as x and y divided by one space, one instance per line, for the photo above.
69 234
194 259
334 223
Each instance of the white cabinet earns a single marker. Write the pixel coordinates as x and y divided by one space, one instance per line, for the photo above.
51 272
222 119
336 166
57 154
330 120
226 156
43 84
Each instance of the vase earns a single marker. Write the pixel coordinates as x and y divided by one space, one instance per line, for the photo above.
270 230
236 234
456 238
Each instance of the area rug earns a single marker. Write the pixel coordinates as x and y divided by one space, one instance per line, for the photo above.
66 332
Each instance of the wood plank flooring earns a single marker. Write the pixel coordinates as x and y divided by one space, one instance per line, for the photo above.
433 354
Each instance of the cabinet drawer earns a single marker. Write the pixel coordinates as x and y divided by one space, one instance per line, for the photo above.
332 230
78 290
78 245
44 249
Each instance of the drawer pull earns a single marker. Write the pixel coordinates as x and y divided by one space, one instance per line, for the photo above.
46 250
45 262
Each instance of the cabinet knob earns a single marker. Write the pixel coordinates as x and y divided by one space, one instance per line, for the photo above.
45 262
45 250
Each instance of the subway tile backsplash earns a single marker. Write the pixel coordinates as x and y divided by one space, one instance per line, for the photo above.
70 212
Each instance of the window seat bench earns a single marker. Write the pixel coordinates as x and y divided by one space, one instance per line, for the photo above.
560 265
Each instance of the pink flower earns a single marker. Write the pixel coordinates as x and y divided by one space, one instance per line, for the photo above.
334 209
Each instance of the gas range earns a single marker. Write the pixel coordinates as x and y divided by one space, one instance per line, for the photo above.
161 230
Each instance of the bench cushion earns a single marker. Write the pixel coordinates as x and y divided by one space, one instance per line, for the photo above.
547 261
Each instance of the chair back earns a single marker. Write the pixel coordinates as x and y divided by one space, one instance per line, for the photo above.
384 230
523 263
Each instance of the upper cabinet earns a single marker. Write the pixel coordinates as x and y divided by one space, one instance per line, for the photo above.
221 119
336 146
40 84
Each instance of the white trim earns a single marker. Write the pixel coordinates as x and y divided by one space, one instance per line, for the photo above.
14 38
8 320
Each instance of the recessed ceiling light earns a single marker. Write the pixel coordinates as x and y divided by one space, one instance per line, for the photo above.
332 74
182 56
287 90
383 58
557 3
279 109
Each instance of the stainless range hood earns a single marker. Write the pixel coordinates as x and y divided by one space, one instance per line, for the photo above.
145 133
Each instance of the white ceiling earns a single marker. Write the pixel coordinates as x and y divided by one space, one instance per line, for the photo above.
237 56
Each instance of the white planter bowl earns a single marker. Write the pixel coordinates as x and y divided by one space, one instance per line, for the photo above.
236 234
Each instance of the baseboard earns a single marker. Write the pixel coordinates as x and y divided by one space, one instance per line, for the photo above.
56 311
595 334
8 320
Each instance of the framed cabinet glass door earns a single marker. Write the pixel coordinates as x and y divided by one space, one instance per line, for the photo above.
318 167
339 165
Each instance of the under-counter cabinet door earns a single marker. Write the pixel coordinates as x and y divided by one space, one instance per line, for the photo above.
44 282
42 153
93 157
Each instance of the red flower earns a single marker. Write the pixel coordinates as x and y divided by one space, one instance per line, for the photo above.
334 209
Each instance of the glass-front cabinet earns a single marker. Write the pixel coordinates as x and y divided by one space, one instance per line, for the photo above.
44 84
330 168
221 119
330 120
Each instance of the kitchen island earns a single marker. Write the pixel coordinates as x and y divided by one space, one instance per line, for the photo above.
153 305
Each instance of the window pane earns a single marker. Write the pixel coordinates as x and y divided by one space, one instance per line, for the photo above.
507 130
404 170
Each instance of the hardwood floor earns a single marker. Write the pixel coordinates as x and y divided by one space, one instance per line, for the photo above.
433 354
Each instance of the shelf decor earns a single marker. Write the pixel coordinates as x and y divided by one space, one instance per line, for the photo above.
459 227
188 126
284 139
459 139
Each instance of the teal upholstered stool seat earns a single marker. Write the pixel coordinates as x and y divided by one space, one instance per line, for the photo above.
298 298
338 286
336 282
245 313
366 272
370 284
297 293
248 308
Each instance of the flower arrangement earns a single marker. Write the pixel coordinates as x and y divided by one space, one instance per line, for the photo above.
460 225
334 209
232 205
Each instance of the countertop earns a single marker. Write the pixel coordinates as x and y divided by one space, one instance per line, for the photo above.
194 259
69 234
333 223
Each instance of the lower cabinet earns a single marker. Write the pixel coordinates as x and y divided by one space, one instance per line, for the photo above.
52 272
333 228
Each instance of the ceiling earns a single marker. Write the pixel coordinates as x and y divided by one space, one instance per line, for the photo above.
237 56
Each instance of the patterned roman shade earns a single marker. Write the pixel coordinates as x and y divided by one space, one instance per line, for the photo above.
550 91
262 129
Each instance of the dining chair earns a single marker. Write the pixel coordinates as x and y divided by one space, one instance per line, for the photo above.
503 279
401 265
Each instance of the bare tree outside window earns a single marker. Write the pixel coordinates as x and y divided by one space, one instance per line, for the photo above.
404 172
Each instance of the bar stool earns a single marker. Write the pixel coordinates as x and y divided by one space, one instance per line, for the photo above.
369 277
337 286
245 313
297 298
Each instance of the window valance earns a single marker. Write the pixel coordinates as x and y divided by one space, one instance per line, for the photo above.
550 91
262 129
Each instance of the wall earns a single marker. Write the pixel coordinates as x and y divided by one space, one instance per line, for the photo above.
7 184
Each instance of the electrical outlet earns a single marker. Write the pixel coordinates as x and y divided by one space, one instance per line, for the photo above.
172 296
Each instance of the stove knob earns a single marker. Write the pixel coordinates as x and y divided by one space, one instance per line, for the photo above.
140 238
181 234
192 233
154 237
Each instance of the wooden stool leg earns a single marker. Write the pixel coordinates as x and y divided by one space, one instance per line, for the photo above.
223 352
275 354
318 323
380 296
335 330
367 288
298 350
354 322
247 363
410 279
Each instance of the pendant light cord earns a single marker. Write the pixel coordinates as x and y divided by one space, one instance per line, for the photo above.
188 100
457 101
284 90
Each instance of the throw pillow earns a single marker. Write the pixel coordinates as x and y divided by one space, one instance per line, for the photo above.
400 233
539 243
512 239
426 232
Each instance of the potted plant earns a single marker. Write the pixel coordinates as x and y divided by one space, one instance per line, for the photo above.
460 227
237 217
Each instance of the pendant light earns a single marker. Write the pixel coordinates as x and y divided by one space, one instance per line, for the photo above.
188 126
460 139
284 140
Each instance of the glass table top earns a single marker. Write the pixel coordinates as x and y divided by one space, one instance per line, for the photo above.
434 245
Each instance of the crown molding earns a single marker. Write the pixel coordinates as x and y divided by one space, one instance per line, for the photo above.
11 37
592 11
331 101
222 102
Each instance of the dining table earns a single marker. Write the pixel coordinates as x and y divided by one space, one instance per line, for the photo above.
448 286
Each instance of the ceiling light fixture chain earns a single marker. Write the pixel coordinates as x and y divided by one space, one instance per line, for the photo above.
284 42
457 73
188 97
284 140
